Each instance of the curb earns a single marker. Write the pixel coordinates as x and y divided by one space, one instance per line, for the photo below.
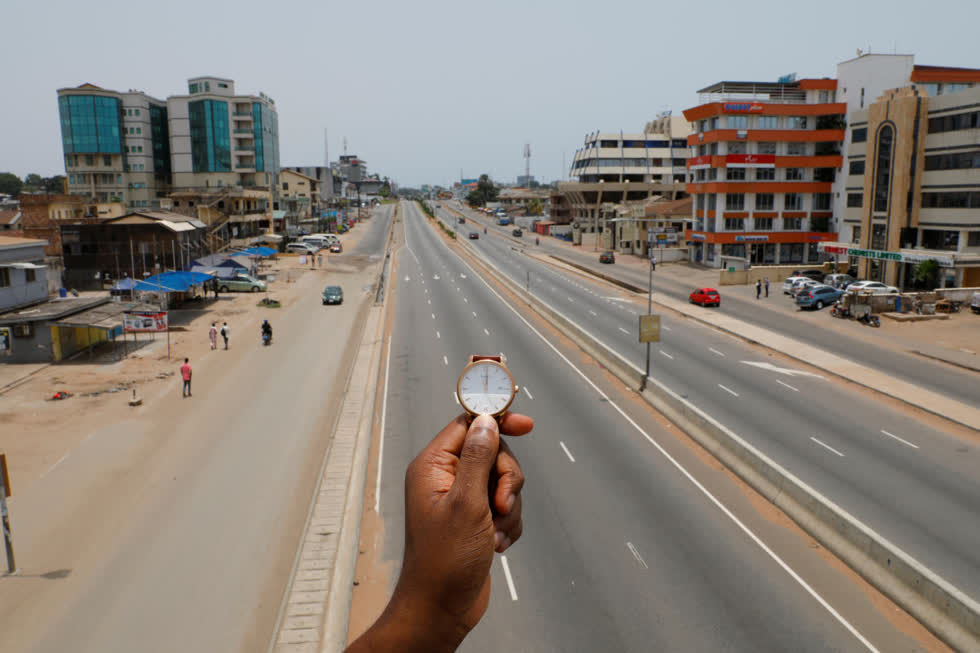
935 358
943 609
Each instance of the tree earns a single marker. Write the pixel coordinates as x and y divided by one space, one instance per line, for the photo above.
927 272
10 184
385 188
484 192
54 184
33 182
535 207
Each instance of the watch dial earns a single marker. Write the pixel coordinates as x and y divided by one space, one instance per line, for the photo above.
485 388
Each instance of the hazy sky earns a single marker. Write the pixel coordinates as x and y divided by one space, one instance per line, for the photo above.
425 89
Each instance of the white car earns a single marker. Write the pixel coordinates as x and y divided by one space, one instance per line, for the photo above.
874 287
301 248
789 282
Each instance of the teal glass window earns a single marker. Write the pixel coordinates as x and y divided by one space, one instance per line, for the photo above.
257 133
160 137
210 137
90 123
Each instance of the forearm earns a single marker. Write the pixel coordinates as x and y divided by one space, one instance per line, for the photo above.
407 626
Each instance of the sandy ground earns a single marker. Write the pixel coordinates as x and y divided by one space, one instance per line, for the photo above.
37 432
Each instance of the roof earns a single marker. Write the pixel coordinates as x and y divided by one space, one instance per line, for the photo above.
167 219
944 74
15 241
766 87
9 217
682 207
171 281
105 316
51 309
283 171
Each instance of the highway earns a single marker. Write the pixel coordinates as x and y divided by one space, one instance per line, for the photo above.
944 379
915 485
634 540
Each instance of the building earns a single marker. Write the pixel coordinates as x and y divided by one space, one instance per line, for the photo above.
614 167
23 275
525 181
10 220
912 188
299 196
764 158
329 180
116 145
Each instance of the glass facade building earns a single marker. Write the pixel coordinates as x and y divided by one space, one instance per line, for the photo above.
90 124
160 134
265 130
210 136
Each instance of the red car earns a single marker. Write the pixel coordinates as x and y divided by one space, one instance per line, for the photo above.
706 297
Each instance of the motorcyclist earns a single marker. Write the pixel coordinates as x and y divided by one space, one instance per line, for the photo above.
537 241
266 329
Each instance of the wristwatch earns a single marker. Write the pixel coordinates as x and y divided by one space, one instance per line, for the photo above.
486 386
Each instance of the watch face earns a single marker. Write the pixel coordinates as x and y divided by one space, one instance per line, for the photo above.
486 387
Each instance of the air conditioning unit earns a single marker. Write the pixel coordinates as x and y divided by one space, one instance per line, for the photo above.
741 133
23 330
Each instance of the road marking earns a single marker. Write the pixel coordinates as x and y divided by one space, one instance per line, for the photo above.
530 396
474 313
430 302
407 279
381 439
510 581
715 351
445 360
781 370
827 446
571 300
435 277
727 389
666 354
594 313
438 336
466 300
623 330
636 554
433 316
683 471
787 385
567 452
664 326
914 446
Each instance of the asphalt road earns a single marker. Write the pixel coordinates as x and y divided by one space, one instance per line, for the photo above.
945 379
918 487
622 550
175 527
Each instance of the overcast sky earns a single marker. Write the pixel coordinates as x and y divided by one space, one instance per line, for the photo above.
424 90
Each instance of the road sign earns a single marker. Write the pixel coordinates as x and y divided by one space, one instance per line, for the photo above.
649 328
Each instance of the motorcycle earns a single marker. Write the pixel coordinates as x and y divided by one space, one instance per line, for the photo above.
870 320
839 310
266 336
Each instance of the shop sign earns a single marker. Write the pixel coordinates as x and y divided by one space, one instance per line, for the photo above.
878 255
697 236
699 162
649 328
743 107
750 161
760 238
832 249
142 322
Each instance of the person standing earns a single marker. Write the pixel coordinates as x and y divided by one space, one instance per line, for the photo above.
225 333
767 287
214 287
185 373
758 288
213 335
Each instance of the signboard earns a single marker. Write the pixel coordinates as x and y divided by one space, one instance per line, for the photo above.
141 322
750 160
879 255
697 236
699 162
760 238
742 107
5 340
649 328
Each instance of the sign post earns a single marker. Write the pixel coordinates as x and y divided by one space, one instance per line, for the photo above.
649 324
8 540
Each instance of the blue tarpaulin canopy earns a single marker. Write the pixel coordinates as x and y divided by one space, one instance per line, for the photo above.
218 261
171 282
259 251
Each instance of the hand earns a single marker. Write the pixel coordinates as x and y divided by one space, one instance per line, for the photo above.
462 503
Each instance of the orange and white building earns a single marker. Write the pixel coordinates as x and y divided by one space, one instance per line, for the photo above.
764 159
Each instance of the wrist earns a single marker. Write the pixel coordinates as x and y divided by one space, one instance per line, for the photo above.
420 624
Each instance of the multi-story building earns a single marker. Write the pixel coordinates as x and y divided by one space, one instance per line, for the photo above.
116 145
328 179
615 167
764 158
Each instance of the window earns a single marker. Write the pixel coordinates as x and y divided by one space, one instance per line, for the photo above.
765 174
609 144
734 224
30 276
136 112
856 235
768 122
736 147
714 123
793 202
883 167
951 200
106 160
878 236
857 167
735 202
794 174
796 122
139 130
765 148
713 148
4 277
193 88
712 174
860 134
712 202
821 201
765 202
973 239
955 122
285 186
89 160
735 174
792 224
763 224
955 161
139 148
796 149
738 122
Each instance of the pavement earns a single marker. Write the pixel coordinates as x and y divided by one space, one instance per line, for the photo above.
634 538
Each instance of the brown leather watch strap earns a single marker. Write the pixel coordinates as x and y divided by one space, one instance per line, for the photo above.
477 357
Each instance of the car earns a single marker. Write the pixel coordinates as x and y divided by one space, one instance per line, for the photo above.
607 257
474 235
803 284
815 274
333 295
314 241
975 303
336 248
706 297
818 296
838 280
873 287
301 248
517 233
462 220
788 284
241 282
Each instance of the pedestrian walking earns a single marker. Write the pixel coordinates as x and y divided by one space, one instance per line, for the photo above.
213 335
225 333
214 287
185 373
758 288
767 286
312 260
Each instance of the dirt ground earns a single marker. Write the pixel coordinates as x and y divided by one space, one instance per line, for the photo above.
37 432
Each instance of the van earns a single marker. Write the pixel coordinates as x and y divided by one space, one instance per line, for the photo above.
328 239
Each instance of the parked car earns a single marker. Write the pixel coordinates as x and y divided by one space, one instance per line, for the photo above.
517 232
815 274
241 282
336 248
803 284
875 287
818 296
706 297
975 303
841 281
333 295
301 248
788 284
607 257
474 235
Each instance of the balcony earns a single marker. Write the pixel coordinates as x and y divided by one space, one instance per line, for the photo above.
242 131
242 115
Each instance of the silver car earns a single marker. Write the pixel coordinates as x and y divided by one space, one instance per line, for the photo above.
873 287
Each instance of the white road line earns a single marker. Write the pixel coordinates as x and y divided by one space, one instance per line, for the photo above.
594 313
567 452
623 330
381 438
510 581
665 327
529 395
914 446
466 300
787 385
474 313
715 351
571 300
445 360
438 336
430 302
727 389
827 446
636 554
433 316
666 354
684 472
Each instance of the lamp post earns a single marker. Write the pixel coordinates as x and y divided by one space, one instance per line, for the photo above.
646 374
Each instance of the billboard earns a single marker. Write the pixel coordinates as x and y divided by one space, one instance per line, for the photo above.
141 322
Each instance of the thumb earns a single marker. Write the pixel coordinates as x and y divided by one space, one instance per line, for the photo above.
477 459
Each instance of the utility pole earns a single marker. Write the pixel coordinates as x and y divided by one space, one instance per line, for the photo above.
527 165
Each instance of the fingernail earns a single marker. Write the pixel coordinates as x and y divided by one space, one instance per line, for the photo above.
498 538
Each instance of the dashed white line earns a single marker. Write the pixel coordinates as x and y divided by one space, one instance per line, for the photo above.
666 354
510 581
715 351
567 452
529 395
891 435
474 313
486 332
430 302
636 554
827 446
594 313
445 360
729 390
438 336
623 330
433 316
466 300
571 300
787 385
665 327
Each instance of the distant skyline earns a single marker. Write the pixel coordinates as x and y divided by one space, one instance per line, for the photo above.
426 90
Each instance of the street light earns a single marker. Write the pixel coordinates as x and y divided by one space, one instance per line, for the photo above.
653 266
